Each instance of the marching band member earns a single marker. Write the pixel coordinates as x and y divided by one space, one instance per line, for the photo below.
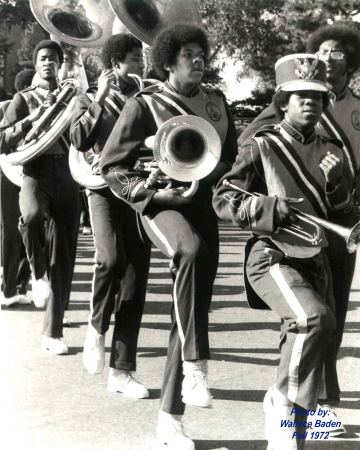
339 47
185 230
16 268
122 259
290 164
48 192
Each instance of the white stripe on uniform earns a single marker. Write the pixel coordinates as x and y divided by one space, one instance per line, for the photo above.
301 322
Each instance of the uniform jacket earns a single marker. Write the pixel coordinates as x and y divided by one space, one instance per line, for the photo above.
279 161
341 120
12 129
141 117
91 123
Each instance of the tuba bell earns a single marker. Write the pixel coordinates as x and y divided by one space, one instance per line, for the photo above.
82 23
186 148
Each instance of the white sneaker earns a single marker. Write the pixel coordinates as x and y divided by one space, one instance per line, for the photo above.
66 322
279 438
94 351
24 299
41 291
87 231
56 346
195 390
8 301
123 381
331 415
172 434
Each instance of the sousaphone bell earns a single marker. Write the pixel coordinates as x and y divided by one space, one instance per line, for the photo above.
187 149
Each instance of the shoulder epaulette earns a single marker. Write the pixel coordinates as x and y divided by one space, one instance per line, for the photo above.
91 90
214 91
271 128
334 141
156 88
30 88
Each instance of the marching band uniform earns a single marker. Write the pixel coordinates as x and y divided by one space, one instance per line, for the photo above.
48 190
287 273
189 235
122 259
16 269
341 120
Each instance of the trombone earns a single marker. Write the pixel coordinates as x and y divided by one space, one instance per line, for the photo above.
350 235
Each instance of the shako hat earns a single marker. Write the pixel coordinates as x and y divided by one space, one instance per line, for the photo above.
300 72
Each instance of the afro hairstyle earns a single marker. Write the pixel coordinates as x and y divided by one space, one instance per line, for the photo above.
281 99
48 44
117 47
24 79
168 44
347 36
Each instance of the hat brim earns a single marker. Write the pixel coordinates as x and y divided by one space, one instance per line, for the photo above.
302 86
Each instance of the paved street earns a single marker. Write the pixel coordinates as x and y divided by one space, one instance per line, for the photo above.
52 403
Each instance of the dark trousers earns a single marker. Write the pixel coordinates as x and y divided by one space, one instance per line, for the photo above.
342 266
122 264
299 291
49 191
84 210
16 268
189 237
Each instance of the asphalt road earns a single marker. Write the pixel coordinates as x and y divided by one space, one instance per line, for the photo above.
52 403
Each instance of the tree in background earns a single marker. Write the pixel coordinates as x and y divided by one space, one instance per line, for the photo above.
93 66
258 32
25 52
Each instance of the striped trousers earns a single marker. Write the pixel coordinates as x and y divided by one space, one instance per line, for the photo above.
189 237
299 291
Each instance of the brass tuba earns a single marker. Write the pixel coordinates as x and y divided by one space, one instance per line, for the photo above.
48 128
84 165
186 148
89 23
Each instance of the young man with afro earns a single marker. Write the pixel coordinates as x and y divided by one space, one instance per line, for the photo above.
183 229
121 259
339 46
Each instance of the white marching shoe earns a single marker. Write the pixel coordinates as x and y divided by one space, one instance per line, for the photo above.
56 346
195 390
331 415
170 432
41 291
8 301
25 299
94 351
279 438
123 381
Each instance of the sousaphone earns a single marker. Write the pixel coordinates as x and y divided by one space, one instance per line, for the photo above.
186 149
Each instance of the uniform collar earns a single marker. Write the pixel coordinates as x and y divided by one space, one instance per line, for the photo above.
128 91
193 93
340 96
295 134
48 87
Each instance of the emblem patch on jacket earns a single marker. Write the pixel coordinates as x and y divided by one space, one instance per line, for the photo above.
355 119
214 111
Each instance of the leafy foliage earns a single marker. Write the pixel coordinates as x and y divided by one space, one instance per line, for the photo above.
258 32
16 12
